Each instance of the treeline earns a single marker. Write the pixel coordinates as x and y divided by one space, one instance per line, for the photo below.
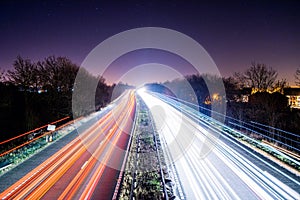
253 95
36 93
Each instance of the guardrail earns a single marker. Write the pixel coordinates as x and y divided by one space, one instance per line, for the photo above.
33 139
21 152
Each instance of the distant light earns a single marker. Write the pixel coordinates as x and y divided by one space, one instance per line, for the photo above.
41 91
215 96
141 90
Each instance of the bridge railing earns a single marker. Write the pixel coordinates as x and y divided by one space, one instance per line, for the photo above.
19 148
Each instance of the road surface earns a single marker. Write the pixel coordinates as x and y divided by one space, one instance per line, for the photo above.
208 164
211 167
85 168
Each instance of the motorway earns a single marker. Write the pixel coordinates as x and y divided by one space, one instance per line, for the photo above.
86 168
211 165
208 164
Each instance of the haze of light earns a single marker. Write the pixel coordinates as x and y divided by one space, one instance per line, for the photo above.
149 73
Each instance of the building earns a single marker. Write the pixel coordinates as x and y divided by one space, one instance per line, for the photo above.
293 95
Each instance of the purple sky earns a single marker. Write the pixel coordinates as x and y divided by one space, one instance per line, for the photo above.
234 33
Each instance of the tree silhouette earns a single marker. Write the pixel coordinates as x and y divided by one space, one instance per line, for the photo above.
41 92
259 77
103 95
24 74
57 73
268 109
2 76
297 77
231 88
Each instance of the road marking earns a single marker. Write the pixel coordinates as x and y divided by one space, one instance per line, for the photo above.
83 166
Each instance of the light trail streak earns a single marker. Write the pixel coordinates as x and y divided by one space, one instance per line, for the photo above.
58 164
40 181
216 127
80 177
201 177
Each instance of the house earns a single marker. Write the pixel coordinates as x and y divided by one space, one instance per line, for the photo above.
241 95
293 95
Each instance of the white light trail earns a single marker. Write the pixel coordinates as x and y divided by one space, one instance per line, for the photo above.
202 178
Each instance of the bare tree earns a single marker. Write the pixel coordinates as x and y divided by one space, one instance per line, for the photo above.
297 77
258 76
23 74
2 76
57 73
280 85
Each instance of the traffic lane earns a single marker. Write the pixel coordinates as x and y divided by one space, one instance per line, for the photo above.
105 187
11 177
246 174
247 183
91 165
34 174
102 184
278 181
36 179
199 181
268 169
39 179
58 188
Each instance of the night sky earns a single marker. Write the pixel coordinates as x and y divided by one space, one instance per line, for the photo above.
234 33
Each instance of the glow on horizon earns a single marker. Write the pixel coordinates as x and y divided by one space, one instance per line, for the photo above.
148 73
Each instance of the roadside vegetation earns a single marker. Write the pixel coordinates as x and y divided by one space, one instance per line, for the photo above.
35 93
146 175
